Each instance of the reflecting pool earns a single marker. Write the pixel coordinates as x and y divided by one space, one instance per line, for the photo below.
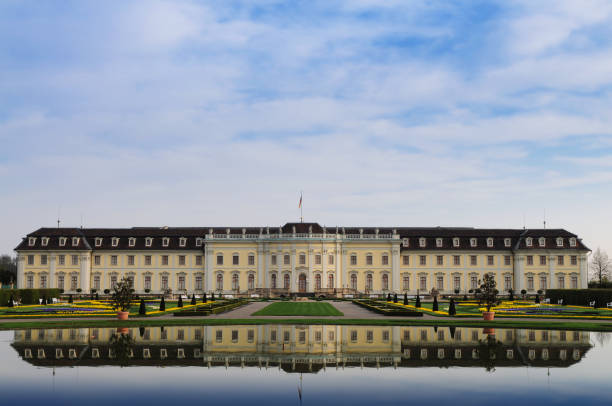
296 364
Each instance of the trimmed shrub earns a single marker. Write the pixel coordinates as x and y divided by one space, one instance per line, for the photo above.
212 297
97 297
10 302
180 302
193 299
143 308
70 300
451 308
418 301
395 298
580 297
162 305
106 291
511 297
405 298
147 290
79 290
204 297
388 297
434 307
537 299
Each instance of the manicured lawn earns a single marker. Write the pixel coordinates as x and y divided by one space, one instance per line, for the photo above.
299 309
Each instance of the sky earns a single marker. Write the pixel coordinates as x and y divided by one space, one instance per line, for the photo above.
396 113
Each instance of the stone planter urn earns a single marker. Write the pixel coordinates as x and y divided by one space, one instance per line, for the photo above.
122 315
488 316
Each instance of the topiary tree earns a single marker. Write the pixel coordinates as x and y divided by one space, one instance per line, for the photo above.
523 292
405 298
70 299
488 292
11 301
180 302
388 297
212 297
193 299
418 301
122 296
44 300
456 291
162 305
143 308
451 308
97 297
465 297
434 307
537 299
204 297
511 296
395 298
106 291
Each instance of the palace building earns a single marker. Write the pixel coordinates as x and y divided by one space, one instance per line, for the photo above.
300 258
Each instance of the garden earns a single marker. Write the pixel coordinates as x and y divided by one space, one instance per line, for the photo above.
299 309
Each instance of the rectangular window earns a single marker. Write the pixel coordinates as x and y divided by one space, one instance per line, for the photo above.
574 260
273 336
302 337
113 280
507 282
530 283
385 259
198 283
542 259
220 259
529 259
73 282
318 259
235 260
385 336
406 259
43 281
560 260
131 260
250 335
302 259
75 260
182 260
423 283
423 259
30 259
473 282
406 282
457 282
30 281
97 260
181 282
353 259
164 282
456 260
62 259
368 260
543 282
113 259
219 336
490 260
96 282
286 336
147 282
439 260
60 282
286 259
574 282
148 260
561 282
198 260
164 260
354 335
43 260
507 260
273 259
331 259
318 336
440 280
473 260
251 260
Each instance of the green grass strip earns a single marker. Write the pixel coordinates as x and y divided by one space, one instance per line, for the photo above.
299 309
527 324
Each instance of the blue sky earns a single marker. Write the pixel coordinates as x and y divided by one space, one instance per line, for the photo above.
458 113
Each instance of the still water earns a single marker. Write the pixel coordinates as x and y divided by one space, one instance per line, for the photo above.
308 365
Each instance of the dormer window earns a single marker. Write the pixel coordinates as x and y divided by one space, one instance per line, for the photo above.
75 241
165 241
455 242
529 241
62 241
182 241
132 241
542 242
439 242
115 241
507 242
473 242
572 242
31 241
489 242
44 241
148 241
559 242
422 242
98 241
199 242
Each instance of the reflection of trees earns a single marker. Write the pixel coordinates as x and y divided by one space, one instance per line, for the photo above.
488 352
121 344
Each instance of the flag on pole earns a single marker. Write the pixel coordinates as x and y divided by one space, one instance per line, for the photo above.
300 205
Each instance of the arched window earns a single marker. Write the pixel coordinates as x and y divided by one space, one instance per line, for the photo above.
330 281
318 282
354 281
235 285
369 282
385 282
286 282
219 281
273 281
251 282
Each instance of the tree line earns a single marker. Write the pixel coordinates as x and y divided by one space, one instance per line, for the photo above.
8 269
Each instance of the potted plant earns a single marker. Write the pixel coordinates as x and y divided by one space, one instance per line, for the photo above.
106 291
523 292
488 294
147 290
121 299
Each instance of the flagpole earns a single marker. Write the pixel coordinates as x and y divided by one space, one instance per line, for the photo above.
301 209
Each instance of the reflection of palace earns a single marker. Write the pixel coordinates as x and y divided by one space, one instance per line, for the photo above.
301 258
305 348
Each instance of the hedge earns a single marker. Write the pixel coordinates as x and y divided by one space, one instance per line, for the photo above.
27 296
387 310
215 308
580 297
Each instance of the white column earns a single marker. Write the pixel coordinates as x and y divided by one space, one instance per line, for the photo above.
20 271
519 273
338 258
345 282
84 276
260 265
551 272
293 274
584 280
324 260
395 264
309 283
208 270
51 282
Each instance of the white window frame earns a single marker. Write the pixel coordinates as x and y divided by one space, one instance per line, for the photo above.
115 241
31 241
542 242
132 242
507 242
406 242
559 241
148 241
422 242
62 241
98 241
199 241
572 242
75 241
182 242
489 242
456 242
44 241
439 242
165 241
529 242
473 242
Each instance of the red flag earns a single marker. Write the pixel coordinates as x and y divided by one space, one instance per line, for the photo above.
300 205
